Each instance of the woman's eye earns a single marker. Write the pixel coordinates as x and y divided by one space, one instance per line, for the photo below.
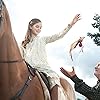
37 26
98 65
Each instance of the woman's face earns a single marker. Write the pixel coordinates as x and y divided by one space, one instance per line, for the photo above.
36 28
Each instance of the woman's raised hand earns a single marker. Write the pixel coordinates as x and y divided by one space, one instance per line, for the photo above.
75 19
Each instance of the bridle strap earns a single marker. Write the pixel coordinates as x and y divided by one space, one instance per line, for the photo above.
22 90
31 69
12 61
26 84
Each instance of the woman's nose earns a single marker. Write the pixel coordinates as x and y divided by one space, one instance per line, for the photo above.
38 29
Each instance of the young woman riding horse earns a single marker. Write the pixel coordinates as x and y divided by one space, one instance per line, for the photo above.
16 82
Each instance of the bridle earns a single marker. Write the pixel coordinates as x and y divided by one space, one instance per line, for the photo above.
29 78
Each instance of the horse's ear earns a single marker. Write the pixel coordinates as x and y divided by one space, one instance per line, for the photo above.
1 5
1 10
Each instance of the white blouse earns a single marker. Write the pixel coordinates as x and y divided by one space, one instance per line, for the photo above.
35 54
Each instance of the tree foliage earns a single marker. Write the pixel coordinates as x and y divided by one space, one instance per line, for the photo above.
95 36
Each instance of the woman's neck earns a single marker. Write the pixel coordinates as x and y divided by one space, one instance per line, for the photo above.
34 35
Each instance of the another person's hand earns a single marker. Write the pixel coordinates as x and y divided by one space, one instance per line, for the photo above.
68 73
76 18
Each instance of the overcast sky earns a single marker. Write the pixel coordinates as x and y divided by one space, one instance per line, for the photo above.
55 16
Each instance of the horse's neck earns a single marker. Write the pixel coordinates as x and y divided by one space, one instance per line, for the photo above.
17 72
12 78
11 74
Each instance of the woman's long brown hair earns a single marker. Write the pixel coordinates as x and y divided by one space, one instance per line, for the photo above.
29 34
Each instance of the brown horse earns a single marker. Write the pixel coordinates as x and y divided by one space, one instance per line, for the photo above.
15 78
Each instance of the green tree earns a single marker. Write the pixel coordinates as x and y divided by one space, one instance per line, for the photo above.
95 36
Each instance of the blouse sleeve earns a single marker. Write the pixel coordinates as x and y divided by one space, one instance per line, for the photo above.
58 36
